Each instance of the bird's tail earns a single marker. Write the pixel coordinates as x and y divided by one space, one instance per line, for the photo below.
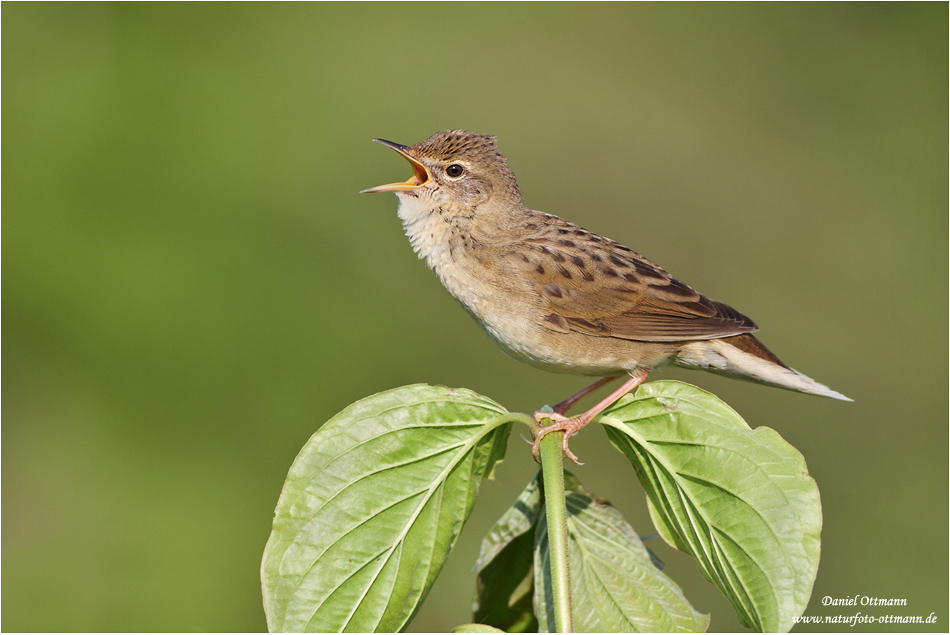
745 357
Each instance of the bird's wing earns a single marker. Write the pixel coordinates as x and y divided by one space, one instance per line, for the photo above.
590 284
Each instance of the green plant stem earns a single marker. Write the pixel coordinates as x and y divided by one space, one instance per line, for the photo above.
553 470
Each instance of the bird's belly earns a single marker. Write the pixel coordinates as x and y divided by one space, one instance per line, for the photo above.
572 353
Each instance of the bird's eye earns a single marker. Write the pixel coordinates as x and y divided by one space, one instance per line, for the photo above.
455 170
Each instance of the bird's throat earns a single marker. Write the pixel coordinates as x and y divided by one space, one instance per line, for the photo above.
439 238
430 232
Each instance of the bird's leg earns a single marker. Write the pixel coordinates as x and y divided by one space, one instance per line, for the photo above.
568 403
570 426
557 413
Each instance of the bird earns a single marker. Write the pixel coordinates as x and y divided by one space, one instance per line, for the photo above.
560 297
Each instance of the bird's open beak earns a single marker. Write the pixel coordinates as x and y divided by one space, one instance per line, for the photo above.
420 175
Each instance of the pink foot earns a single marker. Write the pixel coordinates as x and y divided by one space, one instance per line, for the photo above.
572 425
567 425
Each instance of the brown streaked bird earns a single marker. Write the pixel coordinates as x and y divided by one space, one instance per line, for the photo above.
557 296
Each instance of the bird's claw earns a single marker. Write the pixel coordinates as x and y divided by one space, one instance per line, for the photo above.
562 423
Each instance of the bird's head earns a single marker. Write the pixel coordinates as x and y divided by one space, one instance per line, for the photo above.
456 171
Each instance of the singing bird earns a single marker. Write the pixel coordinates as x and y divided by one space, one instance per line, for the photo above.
558 296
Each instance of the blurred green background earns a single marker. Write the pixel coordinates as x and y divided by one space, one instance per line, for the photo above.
191 284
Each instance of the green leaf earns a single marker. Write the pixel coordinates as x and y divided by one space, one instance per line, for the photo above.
372 506
615 585
505 573
476 628
739 500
